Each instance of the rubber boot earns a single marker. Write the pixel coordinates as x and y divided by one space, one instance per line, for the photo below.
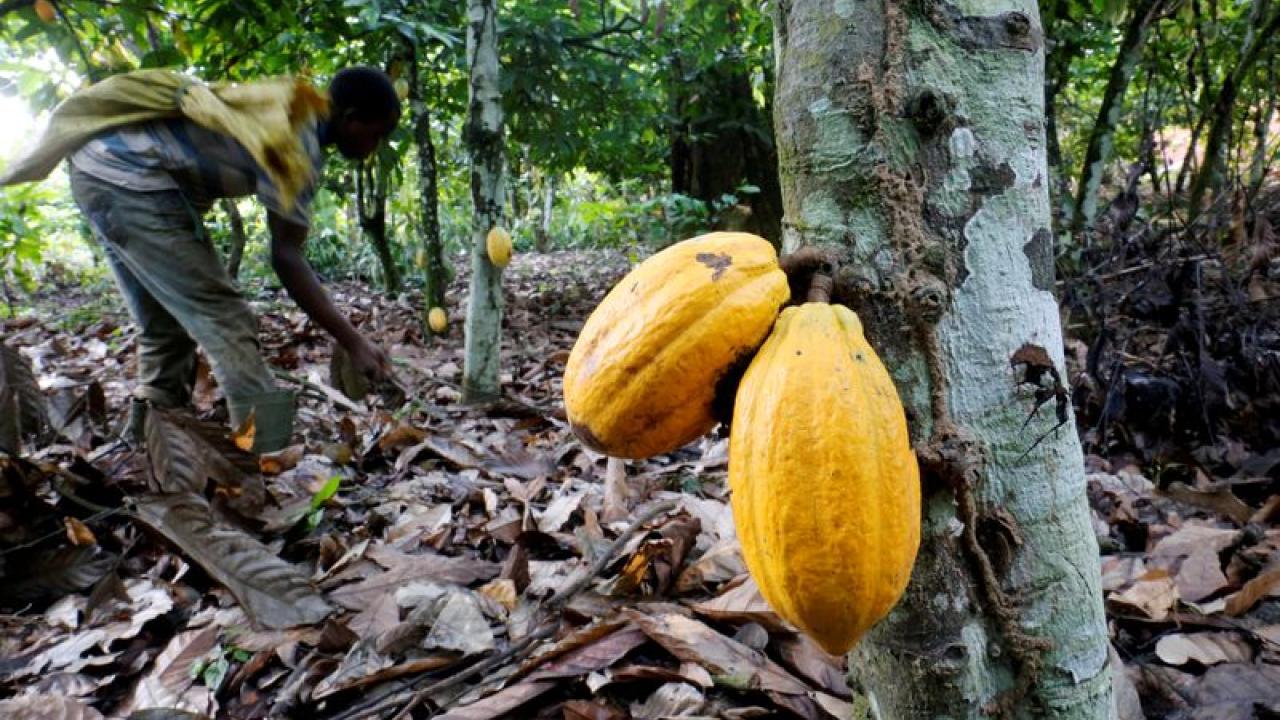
135 428
272 418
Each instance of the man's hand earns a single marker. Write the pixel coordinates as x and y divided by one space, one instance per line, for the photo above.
302 285
370 360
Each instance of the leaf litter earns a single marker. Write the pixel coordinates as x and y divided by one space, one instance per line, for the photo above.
421 557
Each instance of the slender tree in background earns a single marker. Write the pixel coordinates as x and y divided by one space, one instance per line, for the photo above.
372 180
238 237
484 142
911 139
435 273
1264 25
1142 15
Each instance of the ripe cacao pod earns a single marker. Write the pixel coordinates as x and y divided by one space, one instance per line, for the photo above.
826 491
45 10
498 246
642 376
437 320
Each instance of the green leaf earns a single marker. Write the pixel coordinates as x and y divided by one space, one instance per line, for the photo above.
329 489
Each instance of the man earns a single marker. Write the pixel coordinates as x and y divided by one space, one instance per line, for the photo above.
143 188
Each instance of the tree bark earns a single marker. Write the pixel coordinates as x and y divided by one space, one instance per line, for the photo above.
371 204
542 238
1261 131
911 140
436 273
1102 136
238 237
484 137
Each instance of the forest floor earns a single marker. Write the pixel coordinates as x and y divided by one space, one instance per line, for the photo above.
478 562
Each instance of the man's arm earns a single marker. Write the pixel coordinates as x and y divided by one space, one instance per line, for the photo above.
300 282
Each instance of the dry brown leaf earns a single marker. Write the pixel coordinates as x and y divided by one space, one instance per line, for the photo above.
278 462
1231 691
404 567
591 710
826 672
721 563
558 511
77 532
1188 539
401 436
1204 648
590 657
735 664
833 706
691 673
1266 583
1153 595
461 626
741 603
47 707
1119 571
501 591
171 681
500 703
1219 500
244 435
379 616
1200 575
673 700
274 593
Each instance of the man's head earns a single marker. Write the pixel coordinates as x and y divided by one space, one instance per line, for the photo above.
364 109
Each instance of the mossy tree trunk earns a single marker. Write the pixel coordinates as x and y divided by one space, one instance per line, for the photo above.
911 140
235 254
436 274
484 142
372 178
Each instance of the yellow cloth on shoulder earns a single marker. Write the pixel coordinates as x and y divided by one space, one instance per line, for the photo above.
264 116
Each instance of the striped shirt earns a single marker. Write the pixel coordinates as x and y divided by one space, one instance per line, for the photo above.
204 165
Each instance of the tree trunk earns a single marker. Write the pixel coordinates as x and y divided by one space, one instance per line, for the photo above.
485 143
238 237
542 238
1102 136
1261 131
436 273
371 203
1211 170
911 140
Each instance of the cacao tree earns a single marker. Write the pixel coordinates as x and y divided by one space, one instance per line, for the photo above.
911 141
485 145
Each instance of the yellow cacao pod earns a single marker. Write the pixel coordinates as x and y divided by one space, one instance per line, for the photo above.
826 491
498 245
402 88
45 10
642 376
437 320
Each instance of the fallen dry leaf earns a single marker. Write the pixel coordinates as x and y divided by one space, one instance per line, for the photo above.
1153 595
734 663
1204 648
47 707
501 702
672 700
1265 584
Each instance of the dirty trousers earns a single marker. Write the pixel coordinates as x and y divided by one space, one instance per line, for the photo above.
179 294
